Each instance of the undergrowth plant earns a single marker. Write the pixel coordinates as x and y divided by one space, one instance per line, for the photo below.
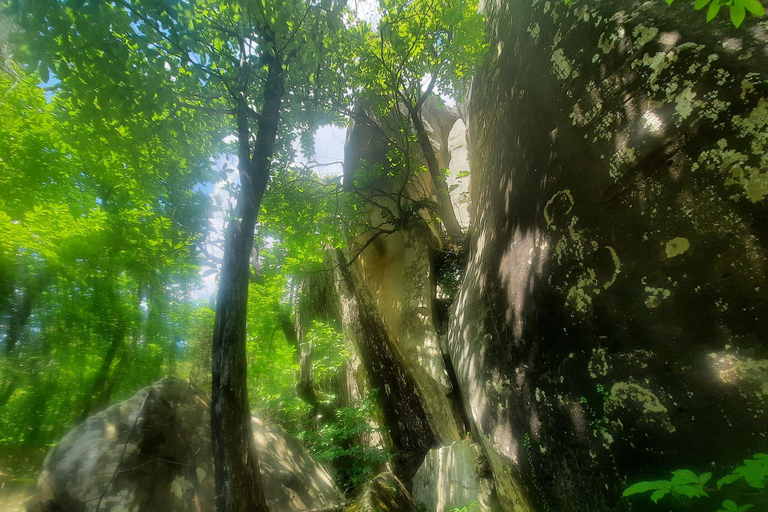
341 444
470 507
745 483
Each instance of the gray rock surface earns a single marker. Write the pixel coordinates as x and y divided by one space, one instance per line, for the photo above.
385 493
458 163
454 476
613 320
152 453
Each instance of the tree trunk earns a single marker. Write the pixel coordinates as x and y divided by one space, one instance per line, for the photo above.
94 399
305 387
18 322
445 206
238 484
21 314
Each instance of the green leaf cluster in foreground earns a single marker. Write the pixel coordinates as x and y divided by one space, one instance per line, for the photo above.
738 8
685 485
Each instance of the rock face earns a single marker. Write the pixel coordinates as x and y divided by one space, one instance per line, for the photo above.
613 321
458 172
153 452
384 493
404 361
455 476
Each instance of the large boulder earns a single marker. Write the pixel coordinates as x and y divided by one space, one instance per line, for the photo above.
455 477
613 320
153 452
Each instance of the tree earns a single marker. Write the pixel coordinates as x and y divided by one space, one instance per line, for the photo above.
94 259
420 47
253 61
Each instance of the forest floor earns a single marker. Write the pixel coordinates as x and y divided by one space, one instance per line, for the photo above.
12 494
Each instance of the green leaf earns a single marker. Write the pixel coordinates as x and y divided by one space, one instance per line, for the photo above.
727 479
745 507
737 14
704 478
684 476
714 8
700 4
730 505
689 490
647 486
656 496
756 8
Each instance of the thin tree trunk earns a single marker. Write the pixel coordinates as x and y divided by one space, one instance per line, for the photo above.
305 387
238 484
94 399
445 206
18 322
21 314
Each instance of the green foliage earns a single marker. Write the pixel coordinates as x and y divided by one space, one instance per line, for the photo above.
418 48
470 507
738 8
754 472
418 40
95 263
685 484
343 444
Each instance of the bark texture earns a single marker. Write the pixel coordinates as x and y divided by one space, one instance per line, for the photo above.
238 487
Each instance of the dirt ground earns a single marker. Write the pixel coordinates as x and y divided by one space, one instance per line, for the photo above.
13 494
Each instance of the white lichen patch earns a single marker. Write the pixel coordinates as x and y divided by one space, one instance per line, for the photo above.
180 486
631 395
643 35
684 103
747 87
677 246
712 107
622 159
579 296
606 43
656 296
752 374
562 195
597 366
534 30
656 63
562 68
735 166
581 116
754 128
